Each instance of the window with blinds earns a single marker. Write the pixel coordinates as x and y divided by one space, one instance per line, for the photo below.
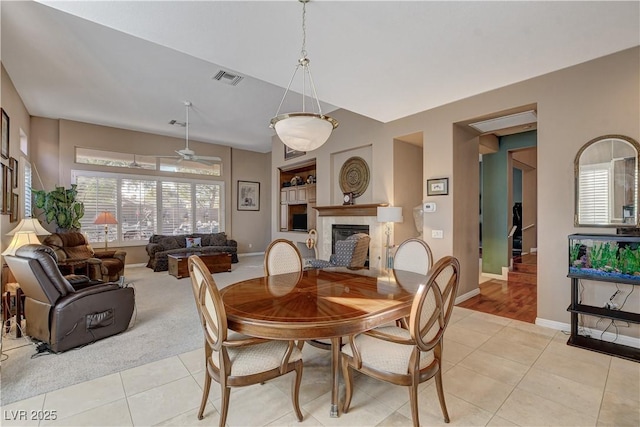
28 212
146 205
594 194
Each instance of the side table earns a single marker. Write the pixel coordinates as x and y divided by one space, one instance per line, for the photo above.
13 290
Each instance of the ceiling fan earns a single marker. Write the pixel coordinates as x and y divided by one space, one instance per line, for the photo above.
186 153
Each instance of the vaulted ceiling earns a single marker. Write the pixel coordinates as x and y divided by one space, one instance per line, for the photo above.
132 64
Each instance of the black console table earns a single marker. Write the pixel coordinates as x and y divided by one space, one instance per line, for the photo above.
576 308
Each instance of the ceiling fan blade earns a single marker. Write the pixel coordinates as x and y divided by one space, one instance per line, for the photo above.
211 158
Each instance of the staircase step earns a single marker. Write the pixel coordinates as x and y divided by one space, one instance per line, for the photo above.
522 277
526 268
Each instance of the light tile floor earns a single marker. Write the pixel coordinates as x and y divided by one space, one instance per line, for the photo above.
497 372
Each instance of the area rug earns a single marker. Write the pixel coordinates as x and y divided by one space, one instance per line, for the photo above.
164 324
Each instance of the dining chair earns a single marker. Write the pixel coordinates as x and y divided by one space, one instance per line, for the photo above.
408 357
233 359
282 257
413 255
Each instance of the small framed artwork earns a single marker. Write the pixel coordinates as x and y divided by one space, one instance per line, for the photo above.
2 178
248 196
290 153
13 165
438 187
13 213
4 152
6 189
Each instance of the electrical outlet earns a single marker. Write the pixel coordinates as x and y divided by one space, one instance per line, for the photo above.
437 234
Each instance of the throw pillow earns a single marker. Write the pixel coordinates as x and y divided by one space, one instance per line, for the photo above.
194 242
218 239
169 243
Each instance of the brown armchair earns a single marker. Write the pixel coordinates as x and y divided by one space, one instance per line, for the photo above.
59 315
75 255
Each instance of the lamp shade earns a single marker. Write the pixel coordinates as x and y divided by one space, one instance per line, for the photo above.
105 218
389 214
303 131
29 224
19 240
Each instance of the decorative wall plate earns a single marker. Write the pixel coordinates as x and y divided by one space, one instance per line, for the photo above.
354 176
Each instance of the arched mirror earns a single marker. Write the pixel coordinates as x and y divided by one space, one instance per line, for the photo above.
606 181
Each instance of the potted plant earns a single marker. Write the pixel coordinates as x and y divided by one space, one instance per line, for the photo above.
60 206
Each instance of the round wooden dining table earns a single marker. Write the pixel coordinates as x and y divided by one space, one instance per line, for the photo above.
320 304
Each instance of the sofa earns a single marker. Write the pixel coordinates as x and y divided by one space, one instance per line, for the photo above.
75 255
160 246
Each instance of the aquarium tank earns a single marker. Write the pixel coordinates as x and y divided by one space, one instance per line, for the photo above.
608 257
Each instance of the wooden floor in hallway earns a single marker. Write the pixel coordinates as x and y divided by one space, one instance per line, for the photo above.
512 299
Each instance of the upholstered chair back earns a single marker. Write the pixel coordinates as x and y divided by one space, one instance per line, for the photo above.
413 255
282 257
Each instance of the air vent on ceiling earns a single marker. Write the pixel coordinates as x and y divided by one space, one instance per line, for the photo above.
504 122
228 78
175 122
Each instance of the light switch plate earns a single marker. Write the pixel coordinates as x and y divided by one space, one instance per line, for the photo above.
429 207
437 234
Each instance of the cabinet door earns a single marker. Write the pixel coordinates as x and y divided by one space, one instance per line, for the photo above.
283 196
311 193
284 217
301 195
291 195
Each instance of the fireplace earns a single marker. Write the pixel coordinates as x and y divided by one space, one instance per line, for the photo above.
342 231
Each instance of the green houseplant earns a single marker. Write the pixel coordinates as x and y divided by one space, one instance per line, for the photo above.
60 206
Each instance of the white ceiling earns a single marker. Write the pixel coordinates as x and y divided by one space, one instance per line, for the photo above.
131 64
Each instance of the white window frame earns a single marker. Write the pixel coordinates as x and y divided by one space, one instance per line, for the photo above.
159 179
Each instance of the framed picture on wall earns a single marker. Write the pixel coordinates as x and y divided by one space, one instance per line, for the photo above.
13 165
15 200
438 187
290 153
6 189
2 208
248 196
4 152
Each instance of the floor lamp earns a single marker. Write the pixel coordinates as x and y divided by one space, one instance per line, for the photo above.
105 218
388 215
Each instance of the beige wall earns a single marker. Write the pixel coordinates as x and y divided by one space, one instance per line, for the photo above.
407 187
55 141
251 228
355 135
574 105
18 120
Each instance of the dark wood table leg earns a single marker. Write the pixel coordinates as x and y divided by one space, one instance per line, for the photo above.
335 371
19 312
6 311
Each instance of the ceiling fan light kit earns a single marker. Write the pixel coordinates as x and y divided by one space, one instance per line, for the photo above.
187 153
303 131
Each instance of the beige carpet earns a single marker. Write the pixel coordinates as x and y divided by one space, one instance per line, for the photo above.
164 324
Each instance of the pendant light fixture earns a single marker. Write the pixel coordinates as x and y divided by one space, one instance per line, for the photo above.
303 131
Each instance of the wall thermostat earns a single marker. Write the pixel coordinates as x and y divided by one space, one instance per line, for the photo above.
429 207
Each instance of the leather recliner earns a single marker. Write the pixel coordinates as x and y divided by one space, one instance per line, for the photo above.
107 266
59 315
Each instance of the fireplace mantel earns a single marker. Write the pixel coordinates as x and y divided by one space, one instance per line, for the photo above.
350 210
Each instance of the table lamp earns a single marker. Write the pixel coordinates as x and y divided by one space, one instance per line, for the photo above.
389 214
105 218
27 231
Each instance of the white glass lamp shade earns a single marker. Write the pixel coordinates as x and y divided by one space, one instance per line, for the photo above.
389 214
303 131
29 224
19 240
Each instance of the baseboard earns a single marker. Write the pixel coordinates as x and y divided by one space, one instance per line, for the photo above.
503 276
141 264
468 295
249 254
607 336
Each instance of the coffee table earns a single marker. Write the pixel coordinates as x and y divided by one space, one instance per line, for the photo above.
216 262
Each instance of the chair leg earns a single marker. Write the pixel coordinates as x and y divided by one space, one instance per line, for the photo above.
347 374
443 405
295 390
205 393
226 391
413 398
